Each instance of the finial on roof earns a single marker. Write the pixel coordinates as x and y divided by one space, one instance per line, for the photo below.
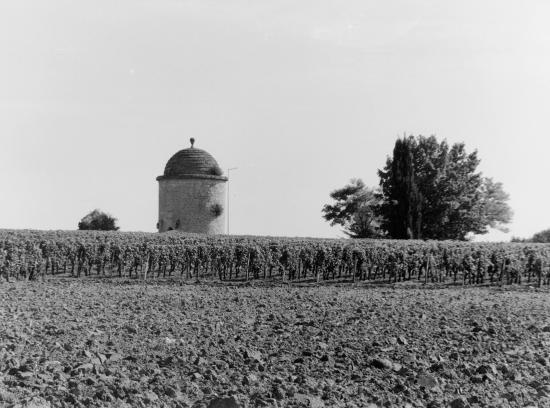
192 140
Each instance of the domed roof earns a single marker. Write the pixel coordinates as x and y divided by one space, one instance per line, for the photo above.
192 163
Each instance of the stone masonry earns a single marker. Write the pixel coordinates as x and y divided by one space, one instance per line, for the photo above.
191 202
192 193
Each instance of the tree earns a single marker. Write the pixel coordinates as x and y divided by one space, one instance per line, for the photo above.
492 208
430 190
98 220
402 209
354 210
542 236
539 237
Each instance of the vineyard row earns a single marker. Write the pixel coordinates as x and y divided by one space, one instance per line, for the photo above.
32 254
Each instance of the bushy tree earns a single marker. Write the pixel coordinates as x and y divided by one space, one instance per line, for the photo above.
98 220
355 210
539 237
543 236
433 191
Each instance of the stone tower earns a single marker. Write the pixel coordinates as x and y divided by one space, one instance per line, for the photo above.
192 193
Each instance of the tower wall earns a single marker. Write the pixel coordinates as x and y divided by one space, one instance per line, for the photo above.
190 201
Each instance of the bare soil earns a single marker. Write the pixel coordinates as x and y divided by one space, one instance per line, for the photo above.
100 343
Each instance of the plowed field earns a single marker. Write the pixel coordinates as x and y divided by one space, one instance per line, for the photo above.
96 343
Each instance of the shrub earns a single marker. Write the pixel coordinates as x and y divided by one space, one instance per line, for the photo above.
216 209
98 220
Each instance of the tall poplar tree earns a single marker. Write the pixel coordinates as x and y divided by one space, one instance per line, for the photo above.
402 208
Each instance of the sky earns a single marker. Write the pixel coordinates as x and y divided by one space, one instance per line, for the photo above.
300 96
